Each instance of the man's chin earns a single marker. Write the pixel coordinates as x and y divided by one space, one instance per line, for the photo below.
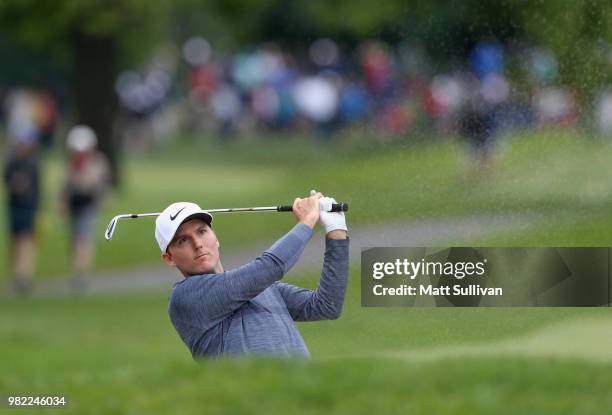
202 271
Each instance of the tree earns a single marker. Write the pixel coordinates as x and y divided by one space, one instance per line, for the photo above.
92 33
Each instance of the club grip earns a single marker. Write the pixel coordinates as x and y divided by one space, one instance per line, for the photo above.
336 207
339 207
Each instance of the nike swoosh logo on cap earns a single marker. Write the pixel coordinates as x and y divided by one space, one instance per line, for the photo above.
176 214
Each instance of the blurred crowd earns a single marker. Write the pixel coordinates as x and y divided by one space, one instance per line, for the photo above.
327 87
392 91
388 92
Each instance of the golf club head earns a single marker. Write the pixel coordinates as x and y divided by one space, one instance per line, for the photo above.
110 229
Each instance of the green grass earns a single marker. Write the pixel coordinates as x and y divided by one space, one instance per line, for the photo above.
589 230
121 355
563 177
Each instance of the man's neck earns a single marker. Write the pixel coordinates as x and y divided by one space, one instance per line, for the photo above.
218 269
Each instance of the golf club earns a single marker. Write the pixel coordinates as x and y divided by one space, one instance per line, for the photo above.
110 230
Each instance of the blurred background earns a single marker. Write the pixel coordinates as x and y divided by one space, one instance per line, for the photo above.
456 123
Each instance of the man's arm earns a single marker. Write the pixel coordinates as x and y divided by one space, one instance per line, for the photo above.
326 301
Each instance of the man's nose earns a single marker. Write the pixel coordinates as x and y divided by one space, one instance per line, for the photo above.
198 242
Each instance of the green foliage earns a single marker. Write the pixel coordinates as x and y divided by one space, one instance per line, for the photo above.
36 20
580 35
53 24
360 18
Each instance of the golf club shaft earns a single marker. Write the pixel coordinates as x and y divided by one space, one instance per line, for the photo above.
110 230
336 207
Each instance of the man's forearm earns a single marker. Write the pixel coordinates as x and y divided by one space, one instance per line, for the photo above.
334 275
327 300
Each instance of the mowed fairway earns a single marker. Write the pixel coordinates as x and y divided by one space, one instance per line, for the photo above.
121 355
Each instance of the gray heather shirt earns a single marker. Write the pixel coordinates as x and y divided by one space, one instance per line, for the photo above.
247 311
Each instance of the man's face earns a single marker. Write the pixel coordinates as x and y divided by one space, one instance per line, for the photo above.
194 249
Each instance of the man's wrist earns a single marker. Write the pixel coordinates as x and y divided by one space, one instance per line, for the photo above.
309 222
337 234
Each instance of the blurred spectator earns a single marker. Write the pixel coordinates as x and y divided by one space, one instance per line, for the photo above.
477 127
316 98
226 108
142 95
87 181
265 104
324 53
487 58
46 118
22 183
444 99
395 118
542 66
377 65
204 83
38 108
555 105
353 105
487 93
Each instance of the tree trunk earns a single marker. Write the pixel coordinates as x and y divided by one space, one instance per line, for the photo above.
96 101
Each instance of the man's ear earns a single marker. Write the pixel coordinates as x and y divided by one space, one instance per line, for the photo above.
167 257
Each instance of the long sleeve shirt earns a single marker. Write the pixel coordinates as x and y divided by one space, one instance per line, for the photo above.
248 311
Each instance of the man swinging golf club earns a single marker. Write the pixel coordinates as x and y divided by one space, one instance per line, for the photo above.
247 310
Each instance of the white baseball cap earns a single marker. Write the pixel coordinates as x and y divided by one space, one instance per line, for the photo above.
81 138
174 216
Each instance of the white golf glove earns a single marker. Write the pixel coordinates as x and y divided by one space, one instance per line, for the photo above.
331 221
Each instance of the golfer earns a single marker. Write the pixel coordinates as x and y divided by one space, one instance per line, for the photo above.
247 310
